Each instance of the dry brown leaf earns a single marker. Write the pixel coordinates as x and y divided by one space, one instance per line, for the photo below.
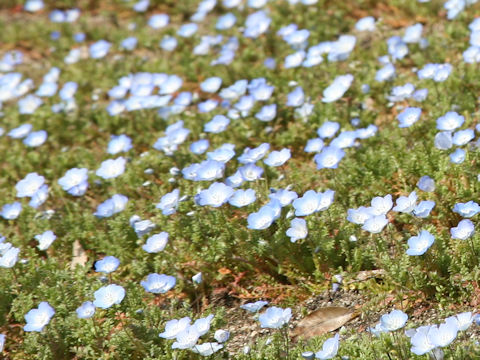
322 321
79 255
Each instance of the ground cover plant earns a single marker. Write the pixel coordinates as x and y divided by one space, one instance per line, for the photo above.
239 179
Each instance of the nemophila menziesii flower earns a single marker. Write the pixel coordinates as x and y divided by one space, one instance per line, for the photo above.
218 124
413 34
29 104
112 206
86 310
394 320
401 92
129 43
203 324
47 89
463 230
169 202
381 205
409 116
186 338
444 334
37 318
209 170
275 317
277 158
45 239
397 48
253 155
174 327
296 97
111 168
443 140
75 181
426 183
338 88
207 349
365 24
329 348
120 143
211 85
450 121
464 320
255 306
294 60
262 219
141 5
467 209
36 138
250 172
109 295
168 43
312 201
242 198
419 244
197 278
29 185
329 157
156 242
284 196
20 131
11 211
344 140
221 335
458 156
158 283
375 224
422 210
328 129
463 137
420 342
33 5
107 265
10 257
199 146
267 113
225 21
216 195
158 21
223 154
99 49
256 24
298 229
360 215
314 145
406 204
420 95
2 341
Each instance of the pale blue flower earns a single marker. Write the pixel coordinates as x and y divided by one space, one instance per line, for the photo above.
418 245
168 43
344 140
267 113
112 206
329 157
187 30
296 97
209 170
255 154
33 6
10 257
156 243
285 197
443 140
28 186
218 124
221 335
45 240
255 306
458 156
328 129
203 324
111 168
298 230
108 295
250 172
409 116
406 204
107 265
174 327
314 145
99 49
426 183
338 88
169 202
375 224
47 89
463 137
413 34
450 121
444 334
36 138
394 320
275 318
211 85
365 24
158 283
29 104
39 197
312 202
86 310
225 21
75 181
262 219
463 230
207 349
381 205
242 198
467 209
11 211
277 158
420 343
120 143
329 348
158 21
216 195
38 318
422 210
187 338
20 131
360 215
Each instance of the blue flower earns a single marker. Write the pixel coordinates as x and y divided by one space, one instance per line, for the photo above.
463 230
187 30
156 243
211 85
443 140
375 224
158 283
168 43
329 157
11 211
329 348
418 245
360 215
250 172
284 196
209 170
39 197
450 121
29 104
444 334
312 202
463 137
296 97
174 327
409 116
86 310
10 257
45 239
467 209
36 138
225 21
99 49
381 205
20 131
365 24
255 306
112 206
120 143
223 154
426 183
107 265
298 230
169 202
394 320
267 113
38 318
253 155
158 21
75 181
275 318
314 145
218 124
109 295
458 156
262 219
422 210
277 158
111 168
338 88
242 198
216 195
406 204
28 186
